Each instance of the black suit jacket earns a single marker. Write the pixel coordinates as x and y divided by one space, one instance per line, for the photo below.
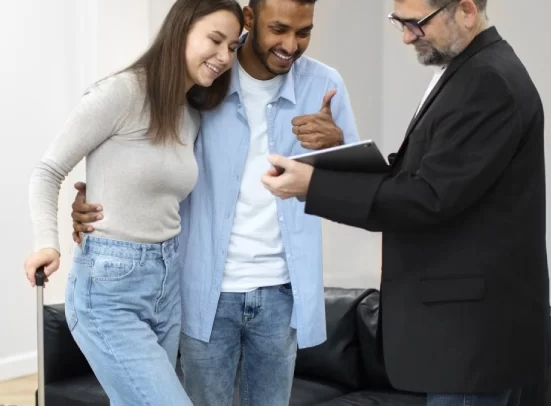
465 288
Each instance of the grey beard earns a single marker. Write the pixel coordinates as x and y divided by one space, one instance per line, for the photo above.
437 57
444 56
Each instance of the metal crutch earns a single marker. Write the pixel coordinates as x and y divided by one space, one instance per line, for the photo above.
40 277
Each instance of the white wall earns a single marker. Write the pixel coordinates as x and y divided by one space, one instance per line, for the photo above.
53 50
158 10
348 39
36 93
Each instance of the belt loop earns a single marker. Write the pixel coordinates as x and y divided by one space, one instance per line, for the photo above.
142 258
176 243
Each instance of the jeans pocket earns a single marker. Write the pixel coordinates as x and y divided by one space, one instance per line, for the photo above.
107 268
70 309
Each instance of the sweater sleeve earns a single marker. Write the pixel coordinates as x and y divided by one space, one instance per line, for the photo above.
100 114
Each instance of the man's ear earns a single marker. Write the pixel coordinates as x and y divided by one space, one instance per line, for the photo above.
469 13
249 18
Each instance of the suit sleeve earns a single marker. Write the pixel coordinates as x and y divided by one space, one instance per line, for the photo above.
473 143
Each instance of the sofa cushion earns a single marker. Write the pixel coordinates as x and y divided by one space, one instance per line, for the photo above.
308 392
338 359
62 357
367 325
371 398
82 390
79 391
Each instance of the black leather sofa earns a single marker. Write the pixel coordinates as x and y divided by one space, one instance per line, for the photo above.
344 371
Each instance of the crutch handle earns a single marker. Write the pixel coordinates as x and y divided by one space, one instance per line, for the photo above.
40 276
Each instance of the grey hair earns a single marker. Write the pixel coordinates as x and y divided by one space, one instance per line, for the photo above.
480 4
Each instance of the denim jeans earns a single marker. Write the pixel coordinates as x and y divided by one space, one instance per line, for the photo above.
251 336
123 309
508 398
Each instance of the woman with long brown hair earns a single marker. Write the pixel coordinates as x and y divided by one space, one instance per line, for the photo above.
136 130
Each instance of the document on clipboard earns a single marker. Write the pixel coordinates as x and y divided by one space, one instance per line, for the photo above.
361 156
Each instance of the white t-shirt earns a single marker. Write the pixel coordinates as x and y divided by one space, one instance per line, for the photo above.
435 78
255 253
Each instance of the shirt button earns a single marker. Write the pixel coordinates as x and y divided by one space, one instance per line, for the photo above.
281 218
269 106
295 292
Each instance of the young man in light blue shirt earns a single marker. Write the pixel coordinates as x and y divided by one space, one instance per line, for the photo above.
252 280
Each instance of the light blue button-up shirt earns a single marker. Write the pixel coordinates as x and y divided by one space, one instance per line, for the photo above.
207 214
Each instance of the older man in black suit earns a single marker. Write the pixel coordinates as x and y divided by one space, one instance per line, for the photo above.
465 286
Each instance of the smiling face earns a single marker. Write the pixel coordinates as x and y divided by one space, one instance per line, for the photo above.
210 47
280 32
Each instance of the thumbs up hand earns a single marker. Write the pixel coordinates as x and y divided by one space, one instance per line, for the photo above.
326 105
318 131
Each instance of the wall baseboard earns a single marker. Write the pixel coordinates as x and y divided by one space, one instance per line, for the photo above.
18 365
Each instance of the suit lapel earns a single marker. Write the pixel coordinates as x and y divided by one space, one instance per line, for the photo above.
484 39
430 98
412 122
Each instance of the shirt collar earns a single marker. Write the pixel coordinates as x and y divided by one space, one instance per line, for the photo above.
287 90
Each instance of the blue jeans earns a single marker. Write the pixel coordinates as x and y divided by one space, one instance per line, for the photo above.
252 335
508 398
123 309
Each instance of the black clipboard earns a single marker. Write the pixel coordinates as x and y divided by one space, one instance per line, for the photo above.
361 156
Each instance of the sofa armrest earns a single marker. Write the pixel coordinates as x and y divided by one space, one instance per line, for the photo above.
62 356
370 346
338 359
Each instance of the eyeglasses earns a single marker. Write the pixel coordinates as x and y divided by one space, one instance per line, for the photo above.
415 26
